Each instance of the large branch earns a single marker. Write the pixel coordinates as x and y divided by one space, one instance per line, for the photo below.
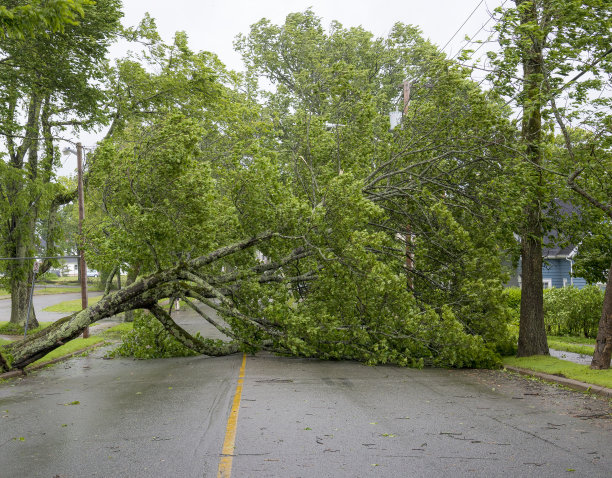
202 346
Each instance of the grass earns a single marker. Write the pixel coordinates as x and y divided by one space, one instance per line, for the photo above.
117 331
562 368
577 349
578 345
55 290
69 306
70 347
7 328
571 340
113 333
5 294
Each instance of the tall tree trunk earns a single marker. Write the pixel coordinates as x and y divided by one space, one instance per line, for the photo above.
603 347
532 332
20 297
21 285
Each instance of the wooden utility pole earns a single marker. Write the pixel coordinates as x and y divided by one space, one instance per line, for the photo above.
82 265
409 253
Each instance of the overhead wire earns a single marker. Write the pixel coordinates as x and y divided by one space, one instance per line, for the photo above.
463 24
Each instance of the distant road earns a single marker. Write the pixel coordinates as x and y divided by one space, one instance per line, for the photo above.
40 302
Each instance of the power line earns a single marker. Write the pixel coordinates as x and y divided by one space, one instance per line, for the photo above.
463 24
479 30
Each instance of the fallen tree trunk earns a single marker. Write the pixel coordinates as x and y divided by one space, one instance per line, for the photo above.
184 280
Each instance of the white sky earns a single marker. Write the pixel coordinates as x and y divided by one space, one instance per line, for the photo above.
212 25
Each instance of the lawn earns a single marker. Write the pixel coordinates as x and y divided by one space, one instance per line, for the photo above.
69 348
7 328
562 368
112 334
579 345
69 306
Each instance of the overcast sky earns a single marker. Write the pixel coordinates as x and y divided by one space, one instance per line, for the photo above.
212 25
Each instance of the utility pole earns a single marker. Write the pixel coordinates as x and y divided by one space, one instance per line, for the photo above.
409 253
82 265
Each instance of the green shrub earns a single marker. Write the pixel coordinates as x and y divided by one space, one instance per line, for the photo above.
513 298
572 311
148 339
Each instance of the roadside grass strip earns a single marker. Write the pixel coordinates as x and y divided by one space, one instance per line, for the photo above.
575 348
79 345
572 340
578 345
562 368
227 453
68 349
69 306
6 328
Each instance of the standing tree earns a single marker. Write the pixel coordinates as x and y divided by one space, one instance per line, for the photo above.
36 18
49 82
556 43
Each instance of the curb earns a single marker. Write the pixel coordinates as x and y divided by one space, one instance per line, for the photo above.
33 368
566 382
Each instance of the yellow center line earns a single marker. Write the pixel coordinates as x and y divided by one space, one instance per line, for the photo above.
227 453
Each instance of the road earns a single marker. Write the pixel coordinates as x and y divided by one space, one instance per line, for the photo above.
40 302
91 417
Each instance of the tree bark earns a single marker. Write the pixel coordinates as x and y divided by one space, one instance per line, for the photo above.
20 297
603 346
532 332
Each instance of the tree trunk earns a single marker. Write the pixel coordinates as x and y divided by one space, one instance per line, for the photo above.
20 297
532 332
603 346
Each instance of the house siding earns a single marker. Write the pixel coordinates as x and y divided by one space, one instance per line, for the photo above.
553 270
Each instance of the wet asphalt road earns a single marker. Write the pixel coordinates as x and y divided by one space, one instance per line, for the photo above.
297 418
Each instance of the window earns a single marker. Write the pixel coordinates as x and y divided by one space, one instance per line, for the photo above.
565 282
547 283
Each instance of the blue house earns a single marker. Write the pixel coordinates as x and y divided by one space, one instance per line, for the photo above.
558 262
557 269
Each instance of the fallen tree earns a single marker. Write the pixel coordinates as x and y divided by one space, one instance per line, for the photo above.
351 307
185 280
